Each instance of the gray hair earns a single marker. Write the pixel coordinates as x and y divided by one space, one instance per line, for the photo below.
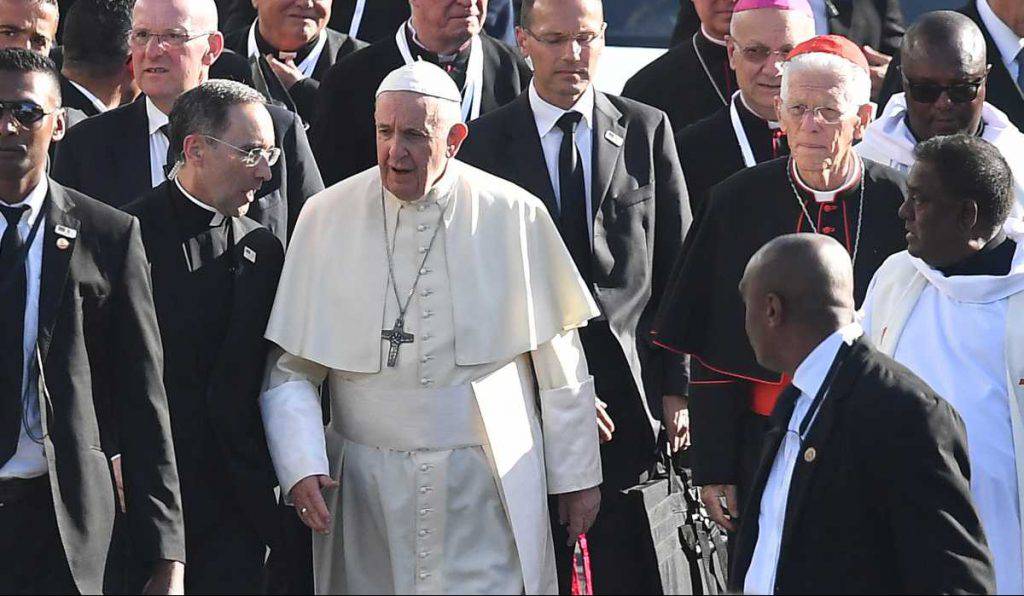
854 80
204 110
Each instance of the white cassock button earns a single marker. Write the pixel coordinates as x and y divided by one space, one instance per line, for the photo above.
421 208
424 381
426 293
424 575
427 314
423 532
424 468
427 336
423 271
421 227
424 490
423 250
424 555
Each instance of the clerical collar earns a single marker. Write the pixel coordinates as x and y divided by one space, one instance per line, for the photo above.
265 47
546 115
828 196
995 258
461 56
209 216
704 33
748 113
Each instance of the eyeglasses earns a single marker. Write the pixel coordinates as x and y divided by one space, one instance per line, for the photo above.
821 113
931 92
140 38
253 156
26 113
759 54
583 38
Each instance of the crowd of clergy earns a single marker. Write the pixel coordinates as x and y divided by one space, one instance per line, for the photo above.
384 296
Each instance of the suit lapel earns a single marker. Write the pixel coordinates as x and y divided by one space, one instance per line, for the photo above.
131 155
56 262
524 150
328 56
608 141
818 437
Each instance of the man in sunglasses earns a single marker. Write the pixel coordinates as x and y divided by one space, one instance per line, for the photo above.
79 358
215 273
944 71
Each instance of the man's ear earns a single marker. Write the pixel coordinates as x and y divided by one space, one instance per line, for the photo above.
60 125
968 215
865 114
456 136
730 48
521 40
193 149
216 48
773 309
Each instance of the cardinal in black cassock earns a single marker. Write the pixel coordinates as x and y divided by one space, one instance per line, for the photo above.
702 313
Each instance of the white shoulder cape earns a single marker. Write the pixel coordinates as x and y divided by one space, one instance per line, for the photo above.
514 284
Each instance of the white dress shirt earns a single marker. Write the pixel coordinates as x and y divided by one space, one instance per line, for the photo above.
808 378
29 461
546 116
1008 42
158 143
95 101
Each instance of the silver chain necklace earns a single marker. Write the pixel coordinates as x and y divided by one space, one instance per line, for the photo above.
707 71
396 336
807 214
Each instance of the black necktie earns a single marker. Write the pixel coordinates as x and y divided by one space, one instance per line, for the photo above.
13 286
573 216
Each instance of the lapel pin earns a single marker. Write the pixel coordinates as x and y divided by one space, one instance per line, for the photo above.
250 255
613 138
66 232
810 454
63 243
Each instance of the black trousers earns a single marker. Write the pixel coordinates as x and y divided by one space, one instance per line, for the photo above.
618 540
32 558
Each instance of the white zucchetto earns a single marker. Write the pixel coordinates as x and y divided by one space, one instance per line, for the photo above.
423 78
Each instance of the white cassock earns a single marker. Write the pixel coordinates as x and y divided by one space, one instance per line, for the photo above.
964 336
445 460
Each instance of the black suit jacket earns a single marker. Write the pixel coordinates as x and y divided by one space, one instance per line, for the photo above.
107 156
212 322
641 215
301 98
884 505
343 134
96 307
1003 91
877 23
71 97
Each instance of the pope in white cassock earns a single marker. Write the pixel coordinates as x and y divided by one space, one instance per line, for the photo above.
441 307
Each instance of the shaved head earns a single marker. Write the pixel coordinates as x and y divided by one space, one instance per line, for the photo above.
946 37
797 289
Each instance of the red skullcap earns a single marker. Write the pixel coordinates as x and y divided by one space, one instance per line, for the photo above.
837 45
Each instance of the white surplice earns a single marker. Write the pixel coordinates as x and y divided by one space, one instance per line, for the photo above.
961 335
446 459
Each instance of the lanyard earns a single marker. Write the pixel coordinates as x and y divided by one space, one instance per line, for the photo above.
473 93
741 134
819 398
357 18
307 66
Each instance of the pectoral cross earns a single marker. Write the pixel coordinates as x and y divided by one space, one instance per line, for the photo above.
396 337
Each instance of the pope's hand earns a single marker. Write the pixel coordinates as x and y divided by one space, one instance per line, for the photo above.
605 425
307 496
578 510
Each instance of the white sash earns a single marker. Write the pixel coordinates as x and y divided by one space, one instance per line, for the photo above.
473 93
308 64
741 134
357 18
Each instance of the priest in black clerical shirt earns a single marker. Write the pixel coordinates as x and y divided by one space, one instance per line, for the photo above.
450 34
746 132
822 188
693 80
289 48
215 275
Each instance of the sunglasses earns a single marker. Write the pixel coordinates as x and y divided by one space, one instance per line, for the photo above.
26 113
930 92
